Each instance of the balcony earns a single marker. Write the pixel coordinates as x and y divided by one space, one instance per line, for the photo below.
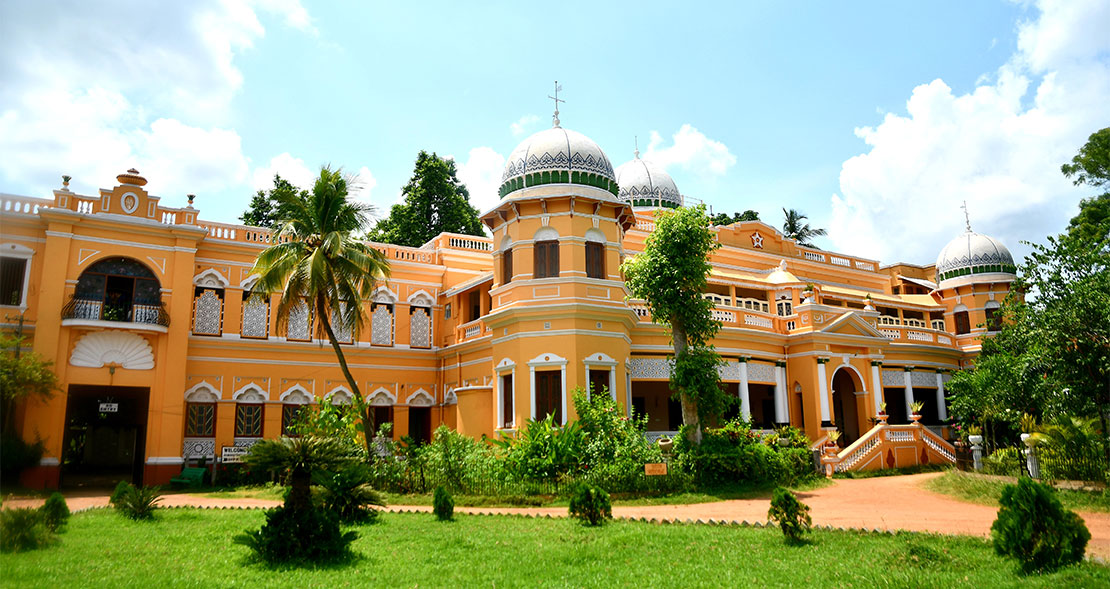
143 315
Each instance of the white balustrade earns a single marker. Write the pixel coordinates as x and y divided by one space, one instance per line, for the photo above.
814 256
891 333
919 336
757 321
725 316
838 261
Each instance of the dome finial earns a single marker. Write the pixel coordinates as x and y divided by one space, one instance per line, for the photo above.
555 117
967 217
636 139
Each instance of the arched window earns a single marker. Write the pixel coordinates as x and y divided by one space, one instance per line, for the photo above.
545 252
963 321
118 289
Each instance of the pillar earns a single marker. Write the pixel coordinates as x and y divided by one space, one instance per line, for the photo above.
877 384
823 392
908 380
745 398
780 393
942 411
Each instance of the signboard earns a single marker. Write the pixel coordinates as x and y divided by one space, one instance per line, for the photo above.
233 454
109 407
655 469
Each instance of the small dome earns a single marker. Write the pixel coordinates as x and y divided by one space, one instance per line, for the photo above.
557 156
644 184
973 253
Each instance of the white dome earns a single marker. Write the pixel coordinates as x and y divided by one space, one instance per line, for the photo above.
974 253
557 156
644 184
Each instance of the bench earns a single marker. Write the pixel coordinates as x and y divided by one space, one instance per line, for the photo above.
190 476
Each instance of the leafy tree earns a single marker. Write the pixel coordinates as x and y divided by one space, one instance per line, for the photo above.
1091 165
321 264
795 228
724 219
1092 224
298 459
266 208
671 275
435 202
22 376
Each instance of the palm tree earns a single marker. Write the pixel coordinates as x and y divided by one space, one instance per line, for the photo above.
795 229
298 459
315 260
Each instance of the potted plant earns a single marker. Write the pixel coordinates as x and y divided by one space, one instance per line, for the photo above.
666 445
915 411
868 304
1028 427
974 435
882 416
831 445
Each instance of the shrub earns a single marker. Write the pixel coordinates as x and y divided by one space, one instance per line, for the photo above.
55 512
139 503
545 451
117 494
790 514
24 529
299 537
18 455
348 495
734 453
1034 528
443 505
590 505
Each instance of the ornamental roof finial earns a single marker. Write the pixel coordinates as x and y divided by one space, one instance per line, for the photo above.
636 139
967 217
555 117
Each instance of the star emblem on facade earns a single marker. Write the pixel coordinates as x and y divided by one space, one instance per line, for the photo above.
757 240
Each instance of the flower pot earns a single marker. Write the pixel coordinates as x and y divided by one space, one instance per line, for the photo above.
882 417
916 417
1027 439
665 445
975 440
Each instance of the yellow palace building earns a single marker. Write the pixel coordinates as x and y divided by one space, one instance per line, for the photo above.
163 357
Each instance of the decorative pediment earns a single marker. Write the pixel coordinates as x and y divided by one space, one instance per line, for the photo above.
115 348
382 398
296 395
202 392
420 398
421 298
851 323
382 294
251 393
211 278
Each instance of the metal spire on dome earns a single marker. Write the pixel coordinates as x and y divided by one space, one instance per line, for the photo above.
555 117
967 217
636 139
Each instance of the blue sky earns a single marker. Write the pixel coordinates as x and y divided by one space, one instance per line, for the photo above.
876 119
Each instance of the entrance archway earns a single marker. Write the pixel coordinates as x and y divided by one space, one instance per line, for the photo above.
105 435
845 384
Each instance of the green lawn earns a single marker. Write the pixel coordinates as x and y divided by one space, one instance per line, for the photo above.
192 548
987 490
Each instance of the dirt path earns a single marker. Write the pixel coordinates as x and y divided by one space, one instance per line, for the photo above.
886 503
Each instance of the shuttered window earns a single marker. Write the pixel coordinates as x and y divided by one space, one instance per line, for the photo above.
507 266
549 395
595 260
546 259
963 324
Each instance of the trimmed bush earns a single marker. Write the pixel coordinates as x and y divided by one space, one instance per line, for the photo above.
590 505
790 514
299 537
138 503
24 529
443 505
55 512
18 455
1034 528
117 494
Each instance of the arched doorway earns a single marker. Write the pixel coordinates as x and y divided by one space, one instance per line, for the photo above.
845 384
117 289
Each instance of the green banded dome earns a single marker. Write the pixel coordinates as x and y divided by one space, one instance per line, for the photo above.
557 156
974 253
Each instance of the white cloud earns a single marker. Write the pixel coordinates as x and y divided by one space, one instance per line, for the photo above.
999 147
91 89
523 125
481 173
691 150
289 168
363 187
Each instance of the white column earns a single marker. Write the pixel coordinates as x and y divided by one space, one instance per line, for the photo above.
745 399
877 386
563 374
532 388
942 411
613 383
823 391
908 376
627 391
780 395
499 417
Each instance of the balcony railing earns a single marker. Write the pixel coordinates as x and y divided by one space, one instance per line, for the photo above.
149 313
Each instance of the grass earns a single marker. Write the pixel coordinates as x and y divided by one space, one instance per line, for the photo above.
274 492
987 490
192 548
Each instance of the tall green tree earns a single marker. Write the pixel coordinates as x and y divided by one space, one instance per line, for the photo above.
266 209
435 202
725 219
316 260
23 375
1091 166
795 227
670 275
